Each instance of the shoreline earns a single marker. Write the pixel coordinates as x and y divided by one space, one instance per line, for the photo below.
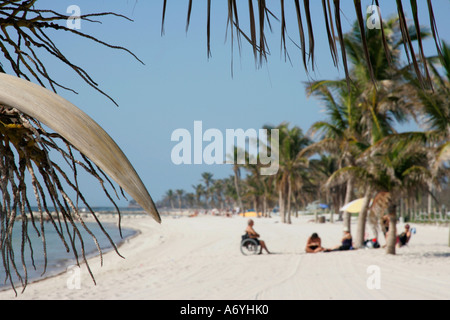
199 259
63 263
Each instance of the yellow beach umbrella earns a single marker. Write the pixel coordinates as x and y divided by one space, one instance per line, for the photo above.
250 214
354 206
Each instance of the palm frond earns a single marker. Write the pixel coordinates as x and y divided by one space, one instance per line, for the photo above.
419 39
333 27
361 23
434 28
443 154
25 34
188 20
343 174
379 206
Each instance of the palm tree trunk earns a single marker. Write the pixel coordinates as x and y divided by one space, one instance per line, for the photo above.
402 211
362 218
281 205
408 209
415 209
264 206
348 198
336 205
392 234
288 211
341 203
236 186
449 235
430 201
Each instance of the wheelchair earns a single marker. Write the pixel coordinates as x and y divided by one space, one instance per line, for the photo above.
249 246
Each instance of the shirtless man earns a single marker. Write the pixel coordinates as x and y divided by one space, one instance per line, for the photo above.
254 235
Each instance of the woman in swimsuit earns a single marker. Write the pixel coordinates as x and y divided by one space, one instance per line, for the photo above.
346 243
314 244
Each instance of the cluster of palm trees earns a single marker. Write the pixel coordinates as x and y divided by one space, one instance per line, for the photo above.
358 150
361 133
208 194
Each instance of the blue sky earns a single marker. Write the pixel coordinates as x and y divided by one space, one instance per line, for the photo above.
179 85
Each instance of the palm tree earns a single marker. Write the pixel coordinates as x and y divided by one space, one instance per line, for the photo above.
253 190
292 142
180 193
207 179
199 192
321 170
392 169
230 192
190 199
398 168
373 103
218 189
435 105
342 134
170 196
237 176
268 184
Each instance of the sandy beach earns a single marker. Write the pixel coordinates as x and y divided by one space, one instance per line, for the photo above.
199 259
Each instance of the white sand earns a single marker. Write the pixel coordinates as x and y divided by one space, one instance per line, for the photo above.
199 258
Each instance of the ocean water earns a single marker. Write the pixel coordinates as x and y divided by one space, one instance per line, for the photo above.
58 259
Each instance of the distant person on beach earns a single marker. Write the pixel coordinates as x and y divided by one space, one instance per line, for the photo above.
385 225
346 243
254 235
404 237
314 244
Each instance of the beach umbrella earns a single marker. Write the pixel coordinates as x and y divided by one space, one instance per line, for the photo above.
353 207
250 214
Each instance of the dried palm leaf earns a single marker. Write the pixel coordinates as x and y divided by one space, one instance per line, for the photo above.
79 129
23 107
378 207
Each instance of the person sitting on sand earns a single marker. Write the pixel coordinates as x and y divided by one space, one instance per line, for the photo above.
403 238
254 235
346 243
314 244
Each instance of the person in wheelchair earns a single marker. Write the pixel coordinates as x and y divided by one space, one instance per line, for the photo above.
252 234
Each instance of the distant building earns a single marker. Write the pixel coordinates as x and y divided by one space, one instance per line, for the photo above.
133 204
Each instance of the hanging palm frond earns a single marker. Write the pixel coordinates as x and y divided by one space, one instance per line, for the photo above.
378 208
25 34
28 149
333 27
24 148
